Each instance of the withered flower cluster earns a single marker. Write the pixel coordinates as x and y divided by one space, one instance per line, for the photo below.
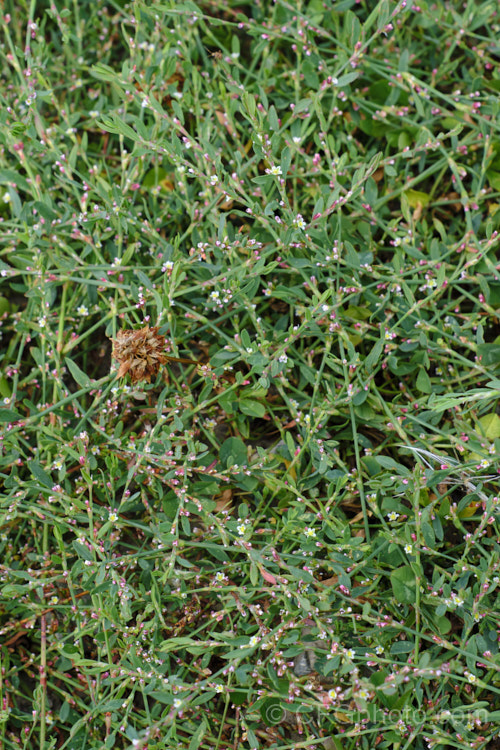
140 353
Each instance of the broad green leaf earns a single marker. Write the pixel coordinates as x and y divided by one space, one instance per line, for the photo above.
40 474
423 383
416 197
252 408
81 378
235 449
8 415
490 424
197 737
404 585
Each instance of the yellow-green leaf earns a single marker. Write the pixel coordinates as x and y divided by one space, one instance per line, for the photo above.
416 197
490 424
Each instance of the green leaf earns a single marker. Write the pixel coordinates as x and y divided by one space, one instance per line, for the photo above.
272 712
404 585
112 705
489 353
252 408
4 306
8 415
416 197
10 176
374 355
162 697
235 449
103 72
40 474
443 625
273 118
254 574
301 575
428 534
198 736
81 378
402 647
45 211
441 403
116 125
347 78
490 424
64 711
82 551
423 383
286 158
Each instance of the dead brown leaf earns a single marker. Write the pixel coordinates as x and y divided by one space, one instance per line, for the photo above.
224 501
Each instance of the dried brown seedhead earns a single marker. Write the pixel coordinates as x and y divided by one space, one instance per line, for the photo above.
140 353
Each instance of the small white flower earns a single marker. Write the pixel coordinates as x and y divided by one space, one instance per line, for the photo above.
53 599
350 653
177 703
274 170
6 198
167 266
296 139
58 463
241 529
379 650
42 322
471 677
299 222
82 310
94 113
220 577
309 533
283 358
113 516
214 179
219 688
393 516
214 295
408 549
253 640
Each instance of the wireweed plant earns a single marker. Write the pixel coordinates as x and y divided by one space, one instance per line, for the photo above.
250 374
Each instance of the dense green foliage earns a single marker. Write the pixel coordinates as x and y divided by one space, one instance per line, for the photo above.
303 197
